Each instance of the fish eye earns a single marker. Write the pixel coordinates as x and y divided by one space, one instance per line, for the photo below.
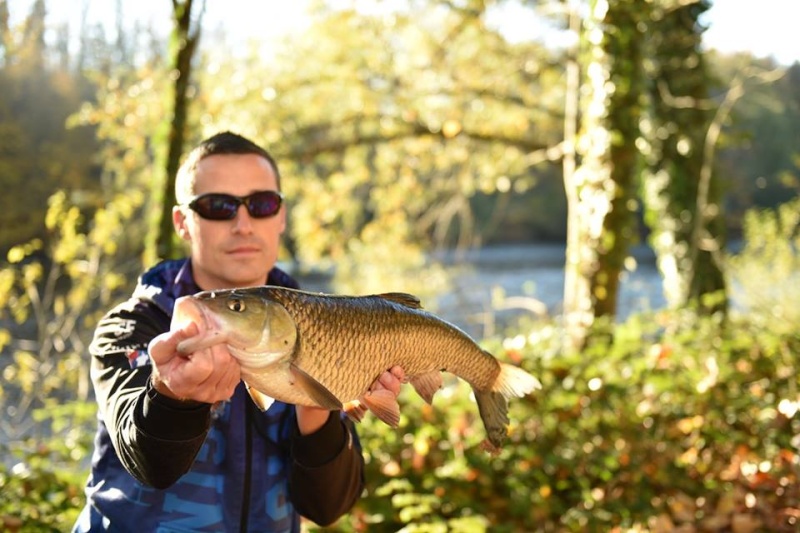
236 305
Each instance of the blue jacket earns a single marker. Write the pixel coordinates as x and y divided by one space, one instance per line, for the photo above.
163 465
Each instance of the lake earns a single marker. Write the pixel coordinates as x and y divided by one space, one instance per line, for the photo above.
531 278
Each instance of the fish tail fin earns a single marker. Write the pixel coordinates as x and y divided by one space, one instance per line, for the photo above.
493 404
493 408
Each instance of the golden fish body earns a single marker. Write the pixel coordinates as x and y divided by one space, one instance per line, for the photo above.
326 350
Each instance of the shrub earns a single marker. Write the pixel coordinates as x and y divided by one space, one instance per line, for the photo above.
652 430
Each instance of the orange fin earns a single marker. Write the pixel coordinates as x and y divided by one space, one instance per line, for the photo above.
259 398
315 390
355 410
402 298
427 384
514 381
384 404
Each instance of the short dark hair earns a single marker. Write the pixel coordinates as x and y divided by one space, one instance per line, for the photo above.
222 143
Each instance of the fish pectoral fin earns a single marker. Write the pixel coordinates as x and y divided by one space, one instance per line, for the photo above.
384 404
427 384
315 390
402 298
259 398
355 410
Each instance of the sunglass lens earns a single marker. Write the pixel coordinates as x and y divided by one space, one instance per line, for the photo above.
264 204
216 206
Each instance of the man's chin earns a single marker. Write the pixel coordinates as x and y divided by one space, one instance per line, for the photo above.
242 275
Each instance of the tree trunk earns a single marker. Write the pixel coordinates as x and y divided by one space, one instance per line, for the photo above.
682 196
601 221
185 37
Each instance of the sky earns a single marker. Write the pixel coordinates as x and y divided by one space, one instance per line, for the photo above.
762 27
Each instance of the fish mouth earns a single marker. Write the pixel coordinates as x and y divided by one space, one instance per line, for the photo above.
187 311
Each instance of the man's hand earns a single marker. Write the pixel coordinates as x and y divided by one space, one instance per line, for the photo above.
310 419
208 375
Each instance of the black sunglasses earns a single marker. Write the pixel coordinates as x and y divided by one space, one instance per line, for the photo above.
220 206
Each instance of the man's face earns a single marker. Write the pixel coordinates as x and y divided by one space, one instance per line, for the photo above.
238 252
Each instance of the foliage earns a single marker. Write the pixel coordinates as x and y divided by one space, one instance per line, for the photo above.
772 237
388 128
40 488
49 303
758 148
37 153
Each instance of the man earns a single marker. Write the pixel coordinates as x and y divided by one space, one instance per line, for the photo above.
180 445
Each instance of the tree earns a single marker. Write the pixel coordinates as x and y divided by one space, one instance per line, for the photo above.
391 127
602 191
682 194
38 153
184 40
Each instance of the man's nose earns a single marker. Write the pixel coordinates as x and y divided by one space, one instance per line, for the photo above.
242 222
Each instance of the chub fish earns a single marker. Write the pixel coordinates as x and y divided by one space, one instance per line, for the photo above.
326 350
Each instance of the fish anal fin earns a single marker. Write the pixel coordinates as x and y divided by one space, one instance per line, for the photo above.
402 298
427 384
315 390
355 410
383 403
259 398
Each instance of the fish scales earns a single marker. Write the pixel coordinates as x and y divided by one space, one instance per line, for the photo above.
373 334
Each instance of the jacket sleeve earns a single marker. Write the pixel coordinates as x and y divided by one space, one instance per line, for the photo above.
327 471
155 437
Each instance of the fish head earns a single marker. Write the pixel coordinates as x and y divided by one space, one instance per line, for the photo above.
258 332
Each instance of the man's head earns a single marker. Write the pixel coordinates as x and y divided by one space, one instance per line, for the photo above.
234 241
225 143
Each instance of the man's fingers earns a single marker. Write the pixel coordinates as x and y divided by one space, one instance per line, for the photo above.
165 346
390 380
399 373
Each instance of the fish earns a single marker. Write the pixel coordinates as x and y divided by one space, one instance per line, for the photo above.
326 350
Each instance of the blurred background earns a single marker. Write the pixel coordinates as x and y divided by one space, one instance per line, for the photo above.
603 191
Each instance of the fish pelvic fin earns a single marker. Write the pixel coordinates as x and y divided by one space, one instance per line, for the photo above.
315 390
383 403
402 298
513 381
427 384
259 398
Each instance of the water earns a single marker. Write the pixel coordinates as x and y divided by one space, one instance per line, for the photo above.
529 279
493 286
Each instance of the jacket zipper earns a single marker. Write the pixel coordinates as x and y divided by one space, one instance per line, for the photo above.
248 454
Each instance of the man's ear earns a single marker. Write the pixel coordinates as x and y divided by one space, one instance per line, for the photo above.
179 222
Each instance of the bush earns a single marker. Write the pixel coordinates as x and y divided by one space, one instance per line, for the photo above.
42 478
650 431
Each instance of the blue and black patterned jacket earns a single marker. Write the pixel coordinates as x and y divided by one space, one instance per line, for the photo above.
163 465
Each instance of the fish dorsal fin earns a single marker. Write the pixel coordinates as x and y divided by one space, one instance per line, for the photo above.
259 398
315 390
427 384
402 298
